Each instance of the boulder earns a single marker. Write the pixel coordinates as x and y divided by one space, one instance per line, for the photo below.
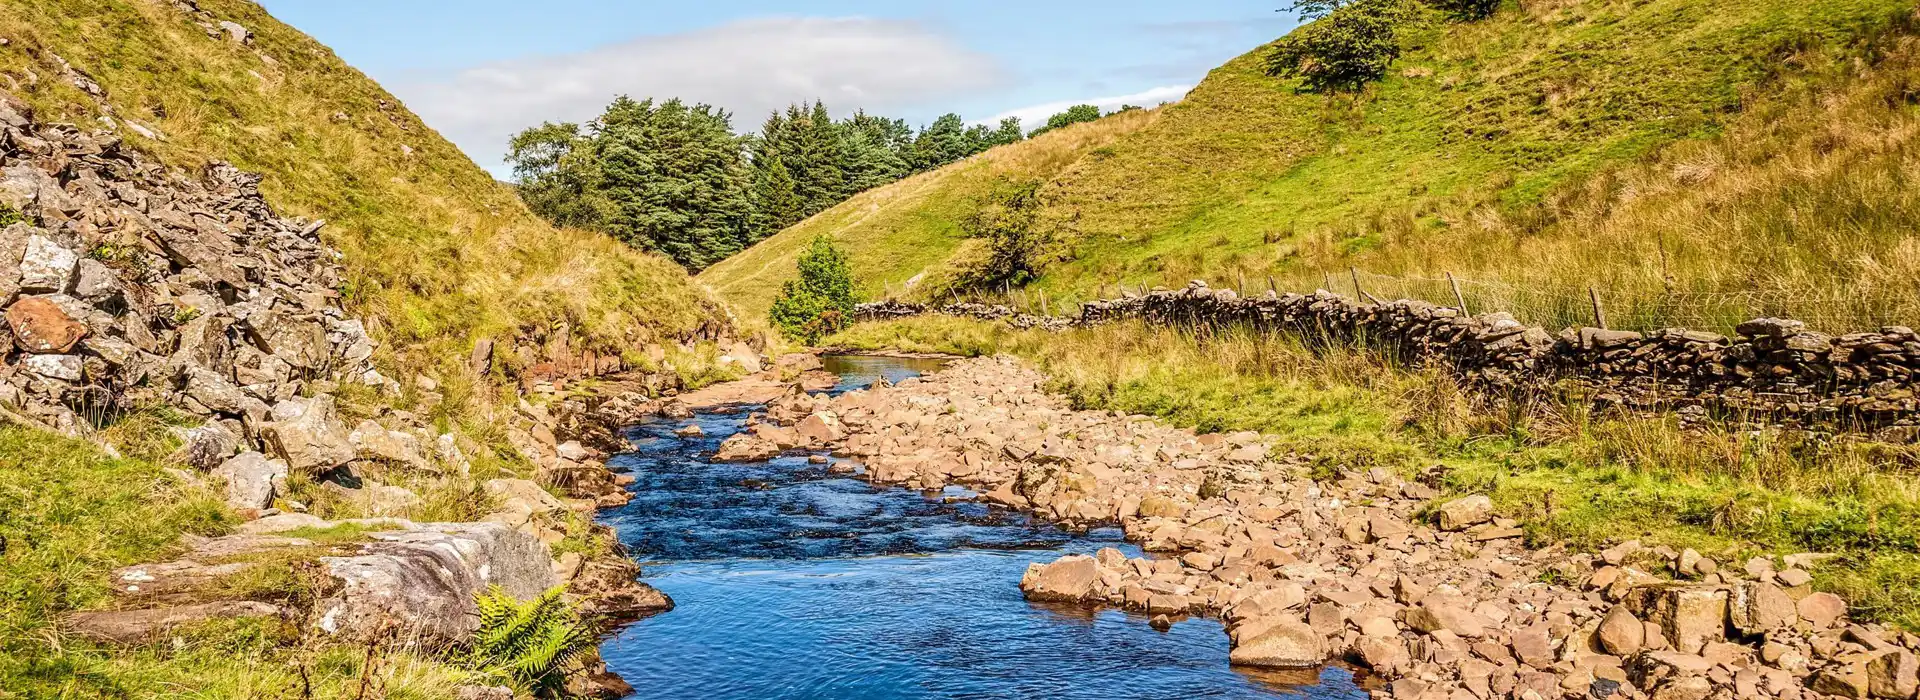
309 435
205 447
743 447
1462 513
41 326
521 495
1892 675
1286 643
46 267
1620 633
1760 607
371 441
1690 614
1822 610
1432 616
422 584
252 480
821 428
1069 578
62 367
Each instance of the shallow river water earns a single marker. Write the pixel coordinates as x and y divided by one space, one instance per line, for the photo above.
791 582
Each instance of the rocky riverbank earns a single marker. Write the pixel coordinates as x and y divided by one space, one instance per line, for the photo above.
1434 594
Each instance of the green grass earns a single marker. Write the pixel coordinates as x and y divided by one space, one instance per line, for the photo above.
1571 477
1499 150
70 515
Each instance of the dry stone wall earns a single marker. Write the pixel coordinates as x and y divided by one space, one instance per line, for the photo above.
1774 371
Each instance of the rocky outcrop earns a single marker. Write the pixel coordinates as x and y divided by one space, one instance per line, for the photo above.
125 283
422 583
1774 370
1436 595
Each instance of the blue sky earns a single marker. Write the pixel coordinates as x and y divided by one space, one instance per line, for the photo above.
479 70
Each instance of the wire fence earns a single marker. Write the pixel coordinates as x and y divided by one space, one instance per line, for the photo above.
1834 308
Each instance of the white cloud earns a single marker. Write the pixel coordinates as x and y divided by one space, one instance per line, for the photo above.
1033 116
748 67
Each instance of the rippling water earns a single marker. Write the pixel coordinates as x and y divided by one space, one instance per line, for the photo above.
793 582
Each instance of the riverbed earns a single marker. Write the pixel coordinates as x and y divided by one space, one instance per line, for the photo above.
792 581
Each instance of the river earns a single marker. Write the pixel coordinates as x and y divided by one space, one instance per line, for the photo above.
794 582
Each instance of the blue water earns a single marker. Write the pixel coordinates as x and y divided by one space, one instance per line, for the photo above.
792 582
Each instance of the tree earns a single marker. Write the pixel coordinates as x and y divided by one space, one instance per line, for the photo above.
812 155
1009 132
676 180
943 142
820 301
1310 10
875 151
553 173
776 206
1348 48
1008 221
1077 114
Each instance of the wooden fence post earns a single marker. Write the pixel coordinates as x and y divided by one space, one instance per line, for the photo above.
1458 298
1271 286
1599 312
1358 293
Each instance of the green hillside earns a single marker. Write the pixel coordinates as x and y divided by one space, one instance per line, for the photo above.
1481 144
437 252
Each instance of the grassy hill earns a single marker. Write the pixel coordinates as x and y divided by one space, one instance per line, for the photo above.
437 252
1496 150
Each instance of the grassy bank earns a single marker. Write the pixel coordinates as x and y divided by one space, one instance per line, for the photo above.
1573 478
1699 163
70 515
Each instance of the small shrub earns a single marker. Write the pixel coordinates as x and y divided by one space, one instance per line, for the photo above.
9 215
1348 48
820 302
532 646
1466 10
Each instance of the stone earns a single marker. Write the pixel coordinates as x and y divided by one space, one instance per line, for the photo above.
1462 513
252 480
308 434
61 367
1069 579
1286 643
521 495
689 431
205 447
236 32
1685 688
1620 633
572 451
821 428
1793 578
1431 617
41 326
1690 614
152 625
1533 647
1846 681
743 447
1761 607
1822 610
46 267
373 442
425 581
1892 675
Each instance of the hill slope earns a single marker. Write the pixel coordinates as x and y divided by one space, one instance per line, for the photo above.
1479 140
437 252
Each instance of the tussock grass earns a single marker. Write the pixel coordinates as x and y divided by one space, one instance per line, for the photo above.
1572 477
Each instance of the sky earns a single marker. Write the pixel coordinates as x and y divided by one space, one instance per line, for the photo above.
480 70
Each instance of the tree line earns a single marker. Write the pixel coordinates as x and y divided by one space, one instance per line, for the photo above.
675 178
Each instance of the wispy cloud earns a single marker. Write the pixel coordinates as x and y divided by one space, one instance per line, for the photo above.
1036 115
748 67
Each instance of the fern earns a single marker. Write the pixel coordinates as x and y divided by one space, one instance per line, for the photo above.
533 645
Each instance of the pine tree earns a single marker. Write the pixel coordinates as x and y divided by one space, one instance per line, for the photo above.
676 180
873 151
776 205
945 141
1009 132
